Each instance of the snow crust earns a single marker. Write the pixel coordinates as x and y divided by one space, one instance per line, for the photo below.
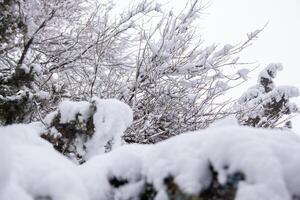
269 159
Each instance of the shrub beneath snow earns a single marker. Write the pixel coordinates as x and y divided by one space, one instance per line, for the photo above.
82 129
221 163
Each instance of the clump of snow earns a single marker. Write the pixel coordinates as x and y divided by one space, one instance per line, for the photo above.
25 68
48 119
255 105
70 109
111 119
43 95
36 68
270 71
256 95
243 73
286 91
269 159
224 51
255 101
54 76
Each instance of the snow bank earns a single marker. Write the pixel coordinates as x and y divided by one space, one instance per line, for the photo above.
269 160
36 169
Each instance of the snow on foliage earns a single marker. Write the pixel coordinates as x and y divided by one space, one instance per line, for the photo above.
265 105
243 73
83 129
68 111
250 163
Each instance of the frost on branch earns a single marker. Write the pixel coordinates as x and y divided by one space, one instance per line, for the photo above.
159 67
266 105
178 81
83 129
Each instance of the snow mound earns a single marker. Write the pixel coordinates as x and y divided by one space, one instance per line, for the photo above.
268 159
36 169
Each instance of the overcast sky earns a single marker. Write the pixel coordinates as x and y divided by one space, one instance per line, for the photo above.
228 21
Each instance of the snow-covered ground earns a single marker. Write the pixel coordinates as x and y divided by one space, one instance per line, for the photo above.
270 160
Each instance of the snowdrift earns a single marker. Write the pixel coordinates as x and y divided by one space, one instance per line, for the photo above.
236 162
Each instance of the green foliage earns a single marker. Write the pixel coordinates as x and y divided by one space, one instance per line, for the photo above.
16 103
11 22
16 99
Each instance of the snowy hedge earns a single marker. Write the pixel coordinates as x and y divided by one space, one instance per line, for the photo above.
222 162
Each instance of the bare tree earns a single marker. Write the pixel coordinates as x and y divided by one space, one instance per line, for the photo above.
61 51
154 61
177 80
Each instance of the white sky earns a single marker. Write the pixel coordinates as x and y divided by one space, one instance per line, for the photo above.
228 21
